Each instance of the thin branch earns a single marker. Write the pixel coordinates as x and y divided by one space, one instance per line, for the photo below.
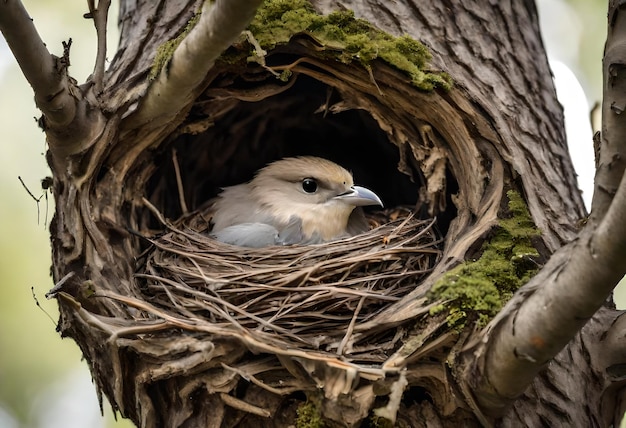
179 184
220 23
45 73
549 311
99 15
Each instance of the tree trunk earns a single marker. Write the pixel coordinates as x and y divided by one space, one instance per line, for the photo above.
473 140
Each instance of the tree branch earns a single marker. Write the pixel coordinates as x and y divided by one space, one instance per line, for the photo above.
612 153
220 23
46 74
100 15
547 312
71 122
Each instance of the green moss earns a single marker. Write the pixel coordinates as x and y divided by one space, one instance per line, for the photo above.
309 416
378 422
166 50
344 38
482 286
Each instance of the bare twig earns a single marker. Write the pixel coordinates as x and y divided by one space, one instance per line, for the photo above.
45 186
59 285
220 23
350 329
37 200
32 290
179 183
238 404
154 210
250 377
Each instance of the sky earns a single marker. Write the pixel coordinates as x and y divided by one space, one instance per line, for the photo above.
54 384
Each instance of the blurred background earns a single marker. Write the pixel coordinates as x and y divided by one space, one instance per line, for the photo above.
43 382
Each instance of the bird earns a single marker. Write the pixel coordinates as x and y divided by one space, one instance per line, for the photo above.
296 200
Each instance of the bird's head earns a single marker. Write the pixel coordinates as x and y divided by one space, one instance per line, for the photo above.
320 192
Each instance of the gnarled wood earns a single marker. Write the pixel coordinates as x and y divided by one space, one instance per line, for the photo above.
450 154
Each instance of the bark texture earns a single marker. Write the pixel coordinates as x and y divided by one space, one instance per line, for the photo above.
453 153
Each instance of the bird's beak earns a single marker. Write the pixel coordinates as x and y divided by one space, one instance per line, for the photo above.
359 196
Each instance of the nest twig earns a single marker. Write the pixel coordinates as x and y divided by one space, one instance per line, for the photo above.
312 298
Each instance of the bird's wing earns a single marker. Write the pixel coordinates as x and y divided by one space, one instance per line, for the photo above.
233 206
292 233
257 235
254 235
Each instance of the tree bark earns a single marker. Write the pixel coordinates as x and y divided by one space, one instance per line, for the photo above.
131 193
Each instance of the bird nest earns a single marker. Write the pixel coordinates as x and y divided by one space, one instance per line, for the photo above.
287 299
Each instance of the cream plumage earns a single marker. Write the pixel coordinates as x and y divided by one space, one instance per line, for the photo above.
298 200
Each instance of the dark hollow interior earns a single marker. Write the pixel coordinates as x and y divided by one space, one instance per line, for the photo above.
295 122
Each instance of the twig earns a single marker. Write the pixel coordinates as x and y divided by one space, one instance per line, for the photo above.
259 53
59 285
238 404
179 183
32 290
350 327
154 211
37 200
254 380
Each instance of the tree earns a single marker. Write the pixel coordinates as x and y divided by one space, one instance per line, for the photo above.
457 97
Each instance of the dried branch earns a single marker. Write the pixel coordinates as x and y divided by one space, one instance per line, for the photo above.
548 312
219 25
46 74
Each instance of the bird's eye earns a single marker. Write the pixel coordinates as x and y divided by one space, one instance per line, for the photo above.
309 185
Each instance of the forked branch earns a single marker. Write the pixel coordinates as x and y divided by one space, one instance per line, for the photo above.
548 311
220 23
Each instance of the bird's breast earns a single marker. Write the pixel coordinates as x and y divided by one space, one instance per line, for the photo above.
323 221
